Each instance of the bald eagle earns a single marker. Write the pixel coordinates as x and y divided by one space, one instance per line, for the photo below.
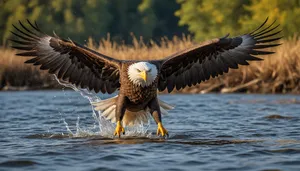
138 81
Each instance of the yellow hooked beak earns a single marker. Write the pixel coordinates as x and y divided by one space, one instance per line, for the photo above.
144 75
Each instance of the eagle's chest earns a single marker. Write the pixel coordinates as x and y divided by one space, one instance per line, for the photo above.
138 94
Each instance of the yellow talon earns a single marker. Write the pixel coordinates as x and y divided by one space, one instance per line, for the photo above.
161 130
119 129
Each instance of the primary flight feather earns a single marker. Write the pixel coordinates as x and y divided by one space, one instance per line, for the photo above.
138 81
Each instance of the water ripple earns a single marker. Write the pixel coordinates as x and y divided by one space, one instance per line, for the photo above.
55 130
18 163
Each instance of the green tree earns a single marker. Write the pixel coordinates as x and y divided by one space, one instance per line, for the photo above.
70 18
79 19
287 14
207 19
214 18
161 15
125 20
151 19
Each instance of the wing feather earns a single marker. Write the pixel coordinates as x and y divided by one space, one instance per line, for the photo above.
68 60
215 57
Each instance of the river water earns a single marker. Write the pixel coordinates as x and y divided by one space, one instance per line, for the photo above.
58 130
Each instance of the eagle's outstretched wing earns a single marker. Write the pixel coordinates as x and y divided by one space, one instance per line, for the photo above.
214 57
68 60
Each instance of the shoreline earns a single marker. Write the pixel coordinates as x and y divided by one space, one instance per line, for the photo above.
189 90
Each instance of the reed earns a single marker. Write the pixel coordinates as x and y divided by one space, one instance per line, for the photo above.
278 73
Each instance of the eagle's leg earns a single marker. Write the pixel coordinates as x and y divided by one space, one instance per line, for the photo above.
120 111
156 114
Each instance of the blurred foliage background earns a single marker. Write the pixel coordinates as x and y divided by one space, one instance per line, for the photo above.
151 19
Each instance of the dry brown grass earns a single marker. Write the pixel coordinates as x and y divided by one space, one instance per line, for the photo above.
278 73
15 75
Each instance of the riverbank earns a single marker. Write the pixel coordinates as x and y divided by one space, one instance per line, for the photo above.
278 73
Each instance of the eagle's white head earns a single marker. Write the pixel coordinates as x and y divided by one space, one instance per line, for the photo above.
142 73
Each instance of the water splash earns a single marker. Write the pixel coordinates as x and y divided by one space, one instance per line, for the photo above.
105 127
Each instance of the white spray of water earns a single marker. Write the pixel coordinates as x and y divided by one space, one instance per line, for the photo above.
106 128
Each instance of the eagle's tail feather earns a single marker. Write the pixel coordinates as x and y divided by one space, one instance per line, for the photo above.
105 104
108 109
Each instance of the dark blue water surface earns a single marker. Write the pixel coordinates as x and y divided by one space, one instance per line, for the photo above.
56 130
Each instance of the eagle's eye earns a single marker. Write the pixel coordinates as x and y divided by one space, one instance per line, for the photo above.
149 70
138 70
